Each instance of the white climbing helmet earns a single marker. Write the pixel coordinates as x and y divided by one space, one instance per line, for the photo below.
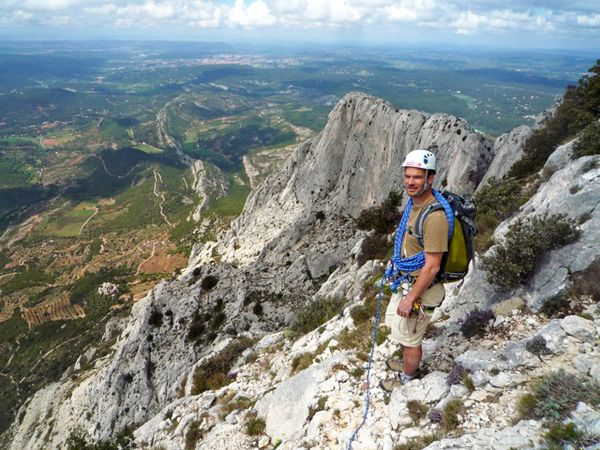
421 159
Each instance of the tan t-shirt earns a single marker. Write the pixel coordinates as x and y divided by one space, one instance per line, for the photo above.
435 232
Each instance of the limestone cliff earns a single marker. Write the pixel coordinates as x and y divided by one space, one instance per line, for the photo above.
294 240
352 165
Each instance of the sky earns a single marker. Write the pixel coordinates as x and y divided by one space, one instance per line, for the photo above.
552 24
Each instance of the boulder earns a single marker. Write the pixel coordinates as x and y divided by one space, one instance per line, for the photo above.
477 359
525 435
580 328
285 409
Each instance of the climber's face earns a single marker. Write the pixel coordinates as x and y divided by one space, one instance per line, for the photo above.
416 181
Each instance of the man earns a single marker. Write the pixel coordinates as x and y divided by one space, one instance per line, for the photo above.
410 309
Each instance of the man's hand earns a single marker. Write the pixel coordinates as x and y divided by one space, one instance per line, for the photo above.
405 307
424 280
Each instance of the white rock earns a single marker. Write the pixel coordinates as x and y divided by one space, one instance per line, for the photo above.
595 373
342 376
458 391
477 359
318 419
554 335
524 435
263 441
582 364
231 418
587 419
430 389
207 400
328 385
286 408
410 433
269 340
479 395
480 377
388 444
503 379
578 327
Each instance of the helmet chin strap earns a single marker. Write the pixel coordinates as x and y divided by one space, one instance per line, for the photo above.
425 187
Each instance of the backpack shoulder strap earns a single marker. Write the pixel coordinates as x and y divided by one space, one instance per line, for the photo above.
434 206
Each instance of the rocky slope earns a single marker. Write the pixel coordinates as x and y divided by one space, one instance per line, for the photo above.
296 239
351 165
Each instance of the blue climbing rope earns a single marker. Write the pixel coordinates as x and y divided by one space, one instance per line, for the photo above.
397 271
398 264
374 340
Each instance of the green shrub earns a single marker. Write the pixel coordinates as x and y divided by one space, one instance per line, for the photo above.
374 246
496 201
586 281
588 142
419 443
577 110
382 334
209 282
302 361
416 410
212 373
475 324
79 440
554 305
527 239
450 413
360 314
197 327
555 395
320 406
193 435
257 309
537 346
33 276
566 435
316 313
87 285
383 218
526 405
255 426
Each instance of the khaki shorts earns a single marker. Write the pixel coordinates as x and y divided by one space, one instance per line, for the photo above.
410 331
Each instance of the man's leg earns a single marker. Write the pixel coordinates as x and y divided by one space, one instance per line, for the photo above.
411 357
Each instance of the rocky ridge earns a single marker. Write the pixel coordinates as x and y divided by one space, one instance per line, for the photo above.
147 377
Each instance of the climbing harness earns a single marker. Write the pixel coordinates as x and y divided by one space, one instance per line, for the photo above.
394 277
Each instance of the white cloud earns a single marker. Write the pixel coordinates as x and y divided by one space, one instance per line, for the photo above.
50 5
589 21
287 6
316 10
399 13
256 14
203 14
469 22
467 17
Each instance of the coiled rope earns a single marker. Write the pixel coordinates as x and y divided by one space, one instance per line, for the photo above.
396 272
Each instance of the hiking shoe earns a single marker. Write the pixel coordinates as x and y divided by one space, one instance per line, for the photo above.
394 364
389 384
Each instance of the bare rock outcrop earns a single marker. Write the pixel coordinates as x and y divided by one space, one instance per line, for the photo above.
508 147
353 164
571 190
296 230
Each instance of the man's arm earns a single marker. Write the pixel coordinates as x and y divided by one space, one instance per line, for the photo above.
424 280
